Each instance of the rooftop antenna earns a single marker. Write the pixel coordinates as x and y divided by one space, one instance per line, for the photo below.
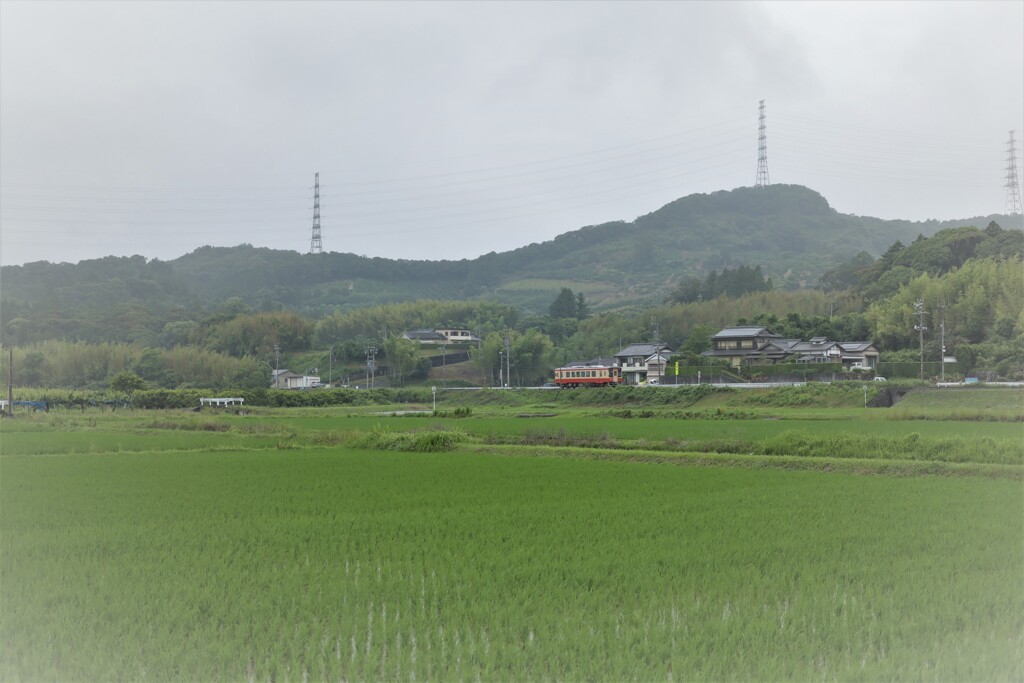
1013 203
315 245
762 150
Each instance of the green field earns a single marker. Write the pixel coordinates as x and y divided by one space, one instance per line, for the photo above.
276 546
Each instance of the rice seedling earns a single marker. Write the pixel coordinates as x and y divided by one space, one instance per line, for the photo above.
365 564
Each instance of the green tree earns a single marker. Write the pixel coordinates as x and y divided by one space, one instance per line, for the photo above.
531 357
582 307
150 367
127 382
848 275
687 291
401 357
32 369
698 341
564 305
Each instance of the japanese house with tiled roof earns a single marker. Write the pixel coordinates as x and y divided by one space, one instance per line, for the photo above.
759 346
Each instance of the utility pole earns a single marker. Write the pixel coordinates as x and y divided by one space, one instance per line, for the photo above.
942 344
10 382
508 359
277 366
501 368
330 367
762 150
371 364
444 364
920 327
315 244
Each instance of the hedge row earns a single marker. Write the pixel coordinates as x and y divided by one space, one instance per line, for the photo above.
792 369
189 398
912 369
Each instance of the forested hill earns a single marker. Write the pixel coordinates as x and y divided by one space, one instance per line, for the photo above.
788 230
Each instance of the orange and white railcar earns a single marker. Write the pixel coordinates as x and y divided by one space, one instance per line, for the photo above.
590 376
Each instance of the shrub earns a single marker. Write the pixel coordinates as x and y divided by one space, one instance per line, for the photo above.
434 441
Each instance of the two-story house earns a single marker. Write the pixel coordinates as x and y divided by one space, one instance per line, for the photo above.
633 361
759 345
736 344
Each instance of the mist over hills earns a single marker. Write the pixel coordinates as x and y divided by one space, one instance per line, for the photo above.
789 230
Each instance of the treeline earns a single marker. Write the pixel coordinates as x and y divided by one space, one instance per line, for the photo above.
92 366
970 281
977 308
730 282
946 250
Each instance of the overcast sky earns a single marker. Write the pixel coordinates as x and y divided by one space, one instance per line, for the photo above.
448 130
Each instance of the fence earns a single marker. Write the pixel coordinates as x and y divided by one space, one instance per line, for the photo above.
449 359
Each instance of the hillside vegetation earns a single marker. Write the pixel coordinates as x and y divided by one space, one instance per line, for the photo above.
789 231
80 325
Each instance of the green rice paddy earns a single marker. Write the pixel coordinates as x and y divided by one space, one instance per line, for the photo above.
270 546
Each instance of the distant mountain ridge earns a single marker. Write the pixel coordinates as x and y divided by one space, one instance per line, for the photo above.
789 230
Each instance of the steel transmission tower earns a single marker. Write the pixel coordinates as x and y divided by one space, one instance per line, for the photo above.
1013 203
315 245
762 150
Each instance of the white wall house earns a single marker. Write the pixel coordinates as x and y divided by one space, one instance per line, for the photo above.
633 361
442 335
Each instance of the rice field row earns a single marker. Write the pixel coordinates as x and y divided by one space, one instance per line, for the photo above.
904 440
347 564
277 545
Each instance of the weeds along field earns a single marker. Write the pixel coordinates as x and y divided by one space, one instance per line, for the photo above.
957 404
328 544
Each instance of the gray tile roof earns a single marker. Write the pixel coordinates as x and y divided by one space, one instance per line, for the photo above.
782 344
856 346
424 335
736 332
803 347
644 350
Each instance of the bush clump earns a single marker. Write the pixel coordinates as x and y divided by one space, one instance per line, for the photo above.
433 441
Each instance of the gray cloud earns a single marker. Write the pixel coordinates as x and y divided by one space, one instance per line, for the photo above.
446 130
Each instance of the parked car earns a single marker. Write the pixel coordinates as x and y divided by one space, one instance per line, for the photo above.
880 379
